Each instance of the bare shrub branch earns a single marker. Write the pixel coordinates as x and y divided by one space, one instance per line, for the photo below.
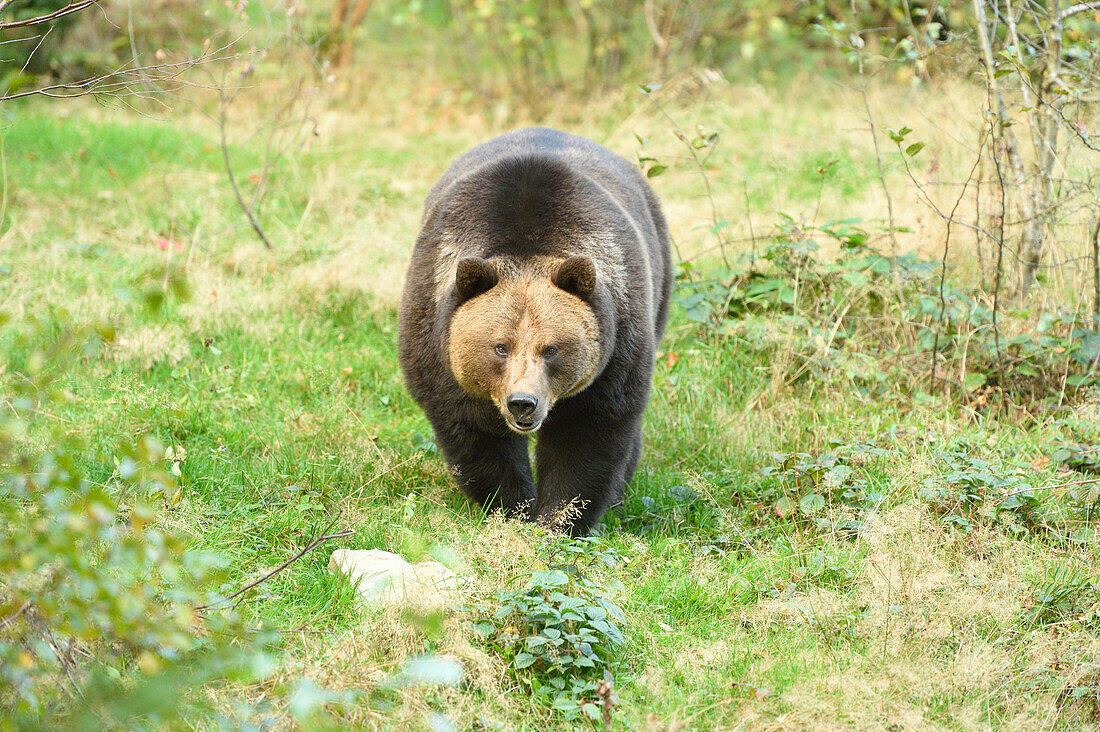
73 7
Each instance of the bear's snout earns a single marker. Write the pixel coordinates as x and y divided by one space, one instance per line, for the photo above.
526 411
522 406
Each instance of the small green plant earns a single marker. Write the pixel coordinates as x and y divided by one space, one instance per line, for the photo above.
805 485
1069 593
668 509
970 488
1082 458
967 490
559 631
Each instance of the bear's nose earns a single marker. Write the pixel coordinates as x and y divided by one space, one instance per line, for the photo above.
522 406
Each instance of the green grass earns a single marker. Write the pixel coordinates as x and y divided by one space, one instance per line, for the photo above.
280 381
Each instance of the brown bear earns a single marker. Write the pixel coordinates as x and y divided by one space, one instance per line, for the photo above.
536 297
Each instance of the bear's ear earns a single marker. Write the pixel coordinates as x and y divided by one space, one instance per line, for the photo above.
473 277
577 276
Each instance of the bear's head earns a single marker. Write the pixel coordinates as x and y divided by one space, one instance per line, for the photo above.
525 339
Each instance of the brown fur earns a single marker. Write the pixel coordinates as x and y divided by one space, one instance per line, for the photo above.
534 239
526 313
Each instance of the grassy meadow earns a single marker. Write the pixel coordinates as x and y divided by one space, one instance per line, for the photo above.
904 596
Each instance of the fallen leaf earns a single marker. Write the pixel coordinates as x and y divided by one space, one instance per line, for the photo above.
1040 462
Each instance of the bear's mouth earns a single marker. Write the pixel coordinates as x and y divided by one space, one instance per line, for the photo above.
524 427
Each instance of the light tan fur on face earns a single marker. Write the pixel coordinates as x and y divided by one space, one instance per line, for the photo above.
526 313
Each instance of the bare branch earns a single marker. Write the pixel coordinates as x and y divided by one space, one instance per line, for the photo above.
74 7
309 547
1021 491
30 56
120 80
946 245
1078 8
16 614
1096 273
224 105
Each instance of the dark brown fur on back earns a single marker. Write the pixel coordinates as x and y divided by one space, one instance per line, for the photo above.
554 241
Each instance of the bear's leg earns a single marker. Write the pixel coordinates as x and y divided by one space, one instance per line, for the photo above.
635 456
492 469
588 463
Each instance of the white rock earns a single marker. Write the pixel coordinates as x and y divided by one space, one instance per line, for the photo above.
385 579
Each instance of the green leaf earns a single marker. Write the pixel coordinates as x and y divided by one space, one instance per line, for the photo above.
898 135
811 504
913 149
523 660
655 171
973 381
547 579
784 507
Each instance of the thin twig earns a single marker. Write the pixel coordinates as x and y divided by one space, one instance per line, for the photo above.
1000 239
943 260
65 658
1072 483
119 81
701 165
11 618
1078 8
74 7
309 547
30 56
894 251
232 177
1096 273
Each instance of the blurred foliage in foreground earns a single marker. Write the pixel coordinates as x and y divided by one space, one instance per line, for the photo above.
95 591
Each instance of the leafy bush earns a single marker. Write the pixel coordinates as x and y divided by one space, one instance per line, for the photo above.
100 607
559 631
807 484
879 322
968 489
667 509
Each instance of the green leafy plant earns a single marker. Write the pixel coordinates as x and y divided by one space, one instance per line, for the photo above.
967 489
1069 593
804 485
879 322
100 619
667 509
558 631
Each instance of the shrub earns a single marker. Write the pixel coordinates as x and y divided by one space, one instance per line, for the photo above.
558 632
100 608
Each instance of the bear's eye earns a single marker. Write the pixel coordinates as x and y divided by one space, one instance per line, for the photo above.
501 349
549 351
